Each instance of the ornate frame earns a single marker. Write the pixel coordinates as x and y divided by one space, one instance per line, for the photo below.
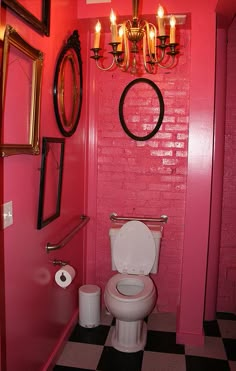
121 106
50 180
13 43
40 25
69 57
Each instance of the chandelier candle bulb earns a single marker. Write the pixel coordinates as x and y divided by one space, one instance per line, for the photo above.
97 35
172 29
160 21
113 27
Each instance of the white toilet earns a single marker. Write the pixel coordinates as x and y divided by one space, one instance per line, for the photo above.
130 295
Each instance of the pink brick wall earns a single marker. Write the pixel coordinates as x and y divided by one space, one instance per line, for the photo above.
227 283
145 178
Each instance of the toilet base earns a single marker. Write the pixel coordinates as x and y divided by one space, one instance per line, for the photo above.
129 337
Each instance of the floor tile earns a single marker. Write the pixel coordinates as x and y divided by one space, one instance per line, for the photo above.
108 339
230 348
96 335
113 360
160 341
80 355
206 364
90 349
213 348
227 328
228 316
153 361
211 328
162 322
232 365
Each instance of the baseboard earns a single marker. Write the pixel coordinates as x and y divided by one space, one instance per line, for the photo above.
61 342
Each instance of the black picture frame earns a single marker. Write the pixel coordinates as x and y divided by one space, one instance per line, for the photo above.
41 25
51 174
161 105
68 67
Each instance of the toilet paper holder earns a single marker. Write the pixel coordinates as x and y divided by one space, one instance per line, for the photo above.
58 262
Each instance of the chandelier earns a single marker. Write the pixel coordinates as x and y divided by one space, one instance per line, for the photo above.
131 37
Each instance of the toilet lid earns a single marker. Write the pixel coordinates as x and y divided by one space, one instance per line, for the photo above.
134 249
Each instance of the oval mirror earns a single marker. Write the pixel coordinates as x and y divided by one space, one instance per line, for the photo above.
141 109
67 88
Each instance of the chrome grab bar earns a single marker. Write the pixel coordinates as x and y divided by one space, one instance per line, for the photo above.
68 237
115 218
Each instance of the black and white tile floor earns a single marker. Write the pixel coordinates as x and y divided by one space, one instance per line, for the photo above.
90 349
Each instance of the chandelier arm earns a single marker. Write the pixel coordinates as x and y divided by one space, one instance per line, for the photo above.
148 25
155 59
149 69
146 45
168 65
105 68
145 50
150 64
160 57
125 64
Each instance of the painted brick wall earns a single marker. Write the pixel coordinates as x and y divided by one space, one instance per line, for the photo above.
227 271
145 178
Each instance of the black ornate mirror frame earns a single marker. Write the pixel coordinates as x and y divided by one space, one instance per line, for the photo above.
121 108
70 53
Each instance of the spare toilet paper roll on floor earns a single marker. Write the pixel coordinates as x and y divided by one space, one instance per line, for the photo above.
65 276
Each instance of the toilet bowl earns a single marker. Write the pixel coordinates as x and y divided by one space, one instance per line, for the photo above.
130 298
130 295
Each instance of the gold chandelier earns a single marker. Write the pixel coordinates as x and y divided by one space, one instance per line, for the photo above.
131 36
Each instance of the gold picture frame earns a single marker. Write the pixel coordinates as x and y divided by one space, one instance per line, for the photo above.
21 86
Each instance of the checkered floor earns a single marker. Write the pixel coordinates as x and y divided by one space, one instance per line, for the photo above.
90 349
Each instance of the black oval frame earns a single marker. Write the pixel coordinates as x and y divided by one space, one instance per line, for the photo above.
74 44
121 105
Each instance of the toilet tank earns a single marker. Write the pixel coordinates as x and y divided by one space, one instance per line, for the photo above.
157 234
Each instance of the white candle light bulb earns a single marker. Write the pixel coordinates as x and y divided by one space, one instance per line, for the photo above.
172 29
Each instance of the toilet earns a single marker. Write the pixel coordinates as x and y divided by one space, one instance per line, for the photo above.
130 295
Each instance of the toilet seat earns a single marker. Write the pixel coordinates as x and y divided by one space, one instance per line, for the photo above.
144 282
134 249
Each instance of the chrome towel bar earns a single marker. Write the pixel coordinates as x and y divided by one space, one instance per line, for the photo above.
68 237
115 218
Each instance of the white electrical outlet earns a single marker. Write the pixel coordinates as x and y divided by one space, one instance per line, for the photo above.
6 214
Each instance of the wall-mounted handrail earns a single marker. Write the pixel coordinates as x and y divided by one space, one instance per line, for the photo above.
68 237
115 218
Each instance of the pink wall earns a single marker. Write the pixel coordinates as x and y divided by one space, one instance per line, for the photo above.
2 284
144 178
146 188
227 269
217 177
169 174
38 312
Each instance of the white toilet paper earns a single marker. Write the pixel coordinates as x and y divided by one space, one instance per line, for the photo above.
65 276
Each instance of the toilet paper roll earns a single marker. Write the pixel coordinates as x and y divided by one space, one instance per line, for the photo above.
65 276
